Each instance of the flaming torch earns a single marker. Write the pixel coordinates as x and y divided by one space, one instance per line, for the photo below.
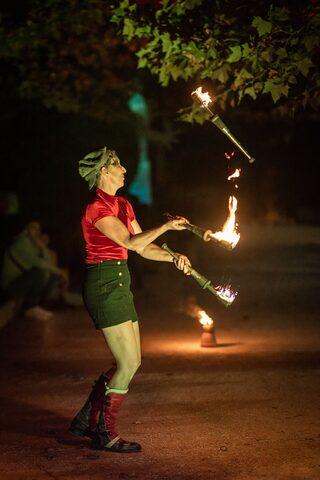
228 238
205 100
223 292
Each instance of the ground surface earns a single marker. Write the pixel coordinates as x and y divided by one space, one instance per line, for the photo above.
247 409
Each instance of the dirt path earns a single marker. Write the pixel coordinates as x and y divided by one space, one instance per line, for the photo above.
247 409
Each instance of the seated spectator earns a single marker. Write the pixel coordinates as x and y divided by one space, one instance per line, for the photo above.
58 288
26 276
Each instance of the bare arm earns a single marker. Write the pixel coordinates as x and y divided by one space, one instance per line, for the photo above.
151 251
114 229
154 252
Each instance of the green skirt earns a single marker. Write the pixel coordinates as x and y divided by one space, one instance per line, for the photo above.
107 295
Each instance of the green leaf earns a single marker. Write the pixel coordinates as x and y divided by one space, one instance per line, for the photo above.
241 92
294 41
262 26
128 28
166 42
311 41
235 55
251 92
241 78
245 74
175 72
281 53
187 72
238 81
246 50
163 77
222 73
276 88
267 55
142 62
304 66
124 4
212 53
292 79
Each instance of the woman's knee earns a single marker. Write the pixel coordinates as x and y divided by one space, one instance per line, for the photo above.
129 366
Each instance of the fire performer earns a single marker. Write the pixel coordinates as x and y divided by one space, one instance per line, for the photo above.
110 229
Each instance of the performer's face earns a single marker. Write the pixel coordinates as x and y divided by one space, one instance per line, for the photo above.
116 172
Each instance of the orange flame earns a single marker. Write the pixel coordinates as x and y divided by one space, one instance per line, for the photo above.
204 97
236 174
192 309
229 234
204 318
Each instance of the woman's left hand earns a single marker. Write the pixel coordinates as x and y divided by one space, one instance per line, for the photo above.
183 263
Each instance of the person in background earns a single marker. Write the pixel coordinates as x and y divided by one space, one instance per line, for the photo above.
110 229
57 292
25 276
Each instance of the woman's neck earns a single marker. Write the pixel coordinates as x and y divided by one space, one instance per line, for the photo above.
109 189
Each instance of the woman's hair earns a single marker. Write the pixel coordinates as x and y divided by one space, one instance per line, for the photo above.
90 166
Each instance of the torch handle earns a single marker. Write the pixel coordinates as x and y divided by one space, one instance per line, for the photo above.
207 235
216 120
200 279
167 249
200 232
203 281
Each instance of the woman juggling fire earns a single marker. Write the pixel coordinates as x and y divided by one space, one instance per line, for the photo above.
110 229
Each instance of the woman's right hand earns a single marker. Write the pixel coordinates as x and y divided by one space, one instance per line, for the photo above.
177 223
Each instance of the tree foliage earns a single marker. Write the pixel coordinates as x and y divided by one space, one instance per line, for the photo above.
242 48
67 54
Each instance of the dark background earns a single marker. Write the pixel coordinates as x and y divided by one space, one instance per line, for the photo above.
41 149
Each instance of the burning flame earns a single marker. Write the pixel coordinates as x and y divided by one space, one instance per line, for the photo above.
226 293
236 174
228 157
192 309
204 97
204 318
229 234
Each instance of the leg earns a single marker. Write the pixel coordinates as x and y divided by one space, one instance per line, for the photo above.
51 292
28 287
137 335
124 343
85 422
26 290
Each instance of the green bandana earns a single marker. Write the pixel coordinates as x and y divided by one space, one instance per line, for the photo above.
91 164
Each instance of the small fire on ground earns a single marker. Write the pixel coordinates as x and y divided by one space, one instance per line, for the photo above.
201 315
204 319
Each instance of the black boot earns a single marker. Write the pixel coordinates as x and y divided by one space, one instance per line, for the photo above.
106 436
85 422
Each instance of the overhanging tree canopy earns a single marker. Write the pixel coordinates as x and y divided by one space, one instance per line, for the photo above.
67 54
243 47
